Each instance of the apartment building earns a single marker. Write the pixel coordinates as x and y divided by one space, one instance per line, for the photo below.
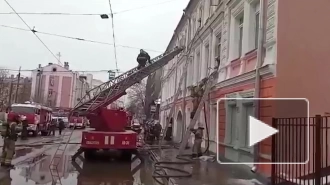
292 52
57 86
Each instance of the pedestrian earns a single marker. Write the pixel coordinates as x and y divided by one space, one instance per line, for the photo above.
197 147
61 126
52 127
10 137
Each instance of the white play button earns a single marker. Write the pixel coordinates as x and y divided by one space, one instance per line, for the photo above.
259 131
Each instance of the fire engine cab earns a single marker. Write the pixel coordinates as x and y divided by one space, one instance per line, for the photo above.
38 117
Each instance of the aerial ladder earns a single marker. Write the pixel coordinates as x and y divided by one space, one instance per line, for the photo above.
105 94
198 106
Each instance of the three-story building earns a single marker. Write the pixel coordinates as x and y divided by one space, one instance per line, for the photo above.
288 46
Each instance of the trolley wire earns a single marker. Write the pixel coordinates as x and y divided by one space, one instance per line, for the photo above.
76 38
33 32
86 14
113 35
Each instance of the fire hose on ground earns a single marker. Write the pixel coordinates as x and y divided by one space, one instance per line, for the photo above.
160 167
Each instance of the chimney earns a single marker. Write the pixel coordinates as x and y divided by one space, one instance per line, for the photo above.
66 65
39 66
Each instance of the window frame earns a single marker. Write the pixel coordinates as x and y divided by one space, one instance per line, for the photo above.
240 35
257 24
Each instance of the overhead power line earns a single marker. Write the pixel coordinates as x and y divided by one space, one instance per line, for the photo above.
79 71
76 38
85 14
113 35
33 32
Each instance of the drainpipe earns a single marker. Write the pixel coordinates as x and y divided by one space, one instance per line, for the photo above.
260 55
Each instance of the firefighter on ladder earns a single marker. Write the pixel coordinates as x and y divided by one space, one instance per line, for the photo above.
197 146
197 93
9 133
142 59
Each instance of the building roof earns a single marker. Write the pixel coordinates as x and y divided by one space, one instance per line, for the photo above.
179 24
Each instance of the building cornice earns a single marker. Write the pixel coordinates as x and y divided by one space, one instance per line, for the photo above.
265 72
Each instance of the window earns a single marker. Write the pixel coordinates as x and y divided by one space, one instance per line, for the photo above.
200 19
51 81
198 70
218 46
207 59
193 28
233 124
22 110
50 92
210 7
257 17
240 40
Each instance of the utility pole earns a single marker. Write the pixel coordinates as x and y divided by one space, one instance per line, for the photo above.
39 74
17 85
10 91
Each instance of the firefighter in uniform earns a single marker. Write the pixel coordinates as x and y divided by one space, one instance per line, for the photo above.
10 137
6 180
197 147
157 130
24 134
142 59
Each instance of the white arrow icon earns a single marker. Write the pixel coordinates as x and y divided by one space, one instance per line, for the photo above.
259 131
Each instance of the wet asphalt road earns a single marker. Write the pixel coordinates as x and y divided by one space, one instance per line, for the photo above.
32 167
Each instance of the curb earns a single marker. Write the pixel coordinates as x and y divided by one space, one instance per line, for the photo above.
156 158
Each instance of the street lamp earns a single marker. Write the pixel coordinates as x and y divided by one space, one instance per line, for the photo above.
104 16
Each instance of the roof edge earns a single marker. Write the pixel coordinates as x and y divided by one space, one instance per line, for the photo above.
179 24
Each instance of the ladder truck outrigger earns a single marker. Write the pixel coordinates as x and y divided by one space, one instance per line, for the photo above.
110 126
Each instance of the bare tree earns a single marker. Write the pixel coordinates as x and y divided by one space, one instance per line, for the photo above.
4 87
136 99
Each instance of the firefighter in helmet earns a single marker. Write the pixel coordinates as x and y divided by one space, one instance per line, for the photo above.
142 59
197 147
10 137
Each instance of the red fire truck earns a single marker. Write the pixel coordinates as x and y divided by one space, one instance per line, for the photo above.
38 117
111 125
77 122
108 135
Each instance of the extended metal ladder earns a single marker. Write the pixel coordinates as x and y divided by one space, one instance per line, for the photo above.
108 92
176 96
199 109
64 139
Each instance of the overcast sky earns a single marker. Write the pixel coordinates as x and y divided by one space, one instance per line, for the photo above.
150 27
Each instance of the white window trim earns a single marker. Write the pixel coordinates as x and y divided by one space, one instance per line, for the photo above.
236 12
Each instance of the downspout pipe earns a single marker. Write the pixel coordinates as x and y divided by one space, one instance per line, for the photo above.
260 56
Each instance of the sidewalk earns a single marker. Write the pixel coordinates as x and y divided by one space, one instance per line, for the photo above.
208 173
